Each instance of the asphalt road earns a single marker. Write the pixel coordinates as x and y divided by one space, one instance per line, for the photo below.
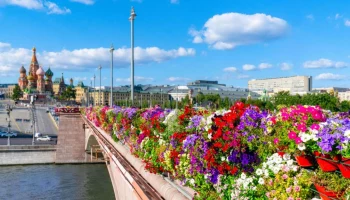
20 118
26 141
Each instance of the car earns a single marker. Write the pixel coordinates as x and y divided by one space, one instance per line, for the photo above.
44 138
38 135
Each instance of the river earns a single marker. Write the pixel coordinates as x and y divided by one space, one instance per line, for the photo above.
51 182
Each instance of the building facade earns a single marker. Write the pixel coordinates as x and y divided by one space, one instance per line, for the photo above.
292 84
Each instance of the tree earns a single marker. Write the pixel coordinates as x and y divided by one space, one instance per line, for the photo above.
17 93
68 94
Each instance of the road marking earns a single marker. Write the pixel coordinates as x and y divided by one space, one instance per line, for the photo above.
16 125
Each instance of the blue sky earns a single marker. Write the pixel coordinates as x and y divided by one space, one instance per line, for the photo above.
231 41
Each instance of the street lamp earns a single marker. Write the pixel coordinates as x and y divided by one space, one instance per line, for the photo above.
9 126
94 88
177 95
132 18
111 50
99 90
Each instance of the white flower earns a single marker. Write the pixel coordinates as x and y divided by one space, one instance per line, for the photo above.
254 188
266 173
261 181
305 137
259 172
222 158
206 176
347 133
295 168
290 162
301 146
209 136
286 156
243 176
192 181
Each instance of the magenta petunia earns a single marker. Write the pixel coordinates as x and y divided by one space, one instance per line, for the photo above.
292 135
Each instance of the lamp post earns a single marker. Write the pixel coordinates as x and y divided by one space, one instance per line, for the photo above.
99 90
94 89
177 95
132 18
9 126
111 50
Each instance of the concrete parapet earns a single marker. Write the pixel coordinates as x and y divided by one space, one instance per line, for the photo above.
27 155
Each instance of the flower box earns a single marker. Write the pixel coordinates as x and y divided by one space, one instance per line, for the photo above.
326 162
344 167
305 160
327 195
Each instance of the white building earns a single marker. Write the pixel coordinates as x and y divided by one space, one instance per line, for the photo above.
293 84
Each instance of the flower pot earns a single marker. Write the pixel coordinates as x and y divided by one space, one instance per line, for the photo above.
305 160
327 195
344 167
326 162
281 153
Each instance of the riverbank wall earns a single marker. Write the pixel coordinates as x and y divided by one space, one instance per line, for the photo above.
27 155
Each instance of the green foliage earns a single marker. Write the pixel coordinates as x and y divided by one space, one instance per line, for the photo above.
68 94
325 100
17 93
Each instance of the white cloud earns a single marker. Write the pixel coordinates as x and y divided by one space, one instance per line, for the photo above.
174 1
178 79
230 69
48 6
228 30
80 78
4 46
324 63
310 17
87 2
248 67
83 59
286 66
29 4
54 9
136 78
347 22
337 16
265 65
242 76
329 76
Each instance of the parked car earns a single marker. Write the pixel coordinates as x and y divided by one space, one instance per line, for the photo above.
44 138
37 135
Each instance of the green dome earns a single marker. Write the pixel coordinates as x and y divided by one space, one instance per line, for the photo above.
49 73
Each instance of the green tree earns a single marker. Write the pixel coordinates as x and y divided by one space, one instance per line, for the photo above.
345 106
69 93
17 93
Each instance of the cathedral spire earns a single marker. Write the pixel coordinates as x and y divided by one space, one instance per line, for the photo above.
34 60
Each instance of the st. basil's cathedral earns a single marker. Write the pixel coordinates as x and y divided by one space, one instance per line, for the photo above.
35 81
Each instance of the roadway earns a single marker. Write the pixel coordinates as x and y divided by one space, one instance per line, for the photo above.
21 124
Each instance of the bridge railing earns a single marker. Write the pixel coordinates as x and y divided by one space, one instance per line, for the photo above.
154 186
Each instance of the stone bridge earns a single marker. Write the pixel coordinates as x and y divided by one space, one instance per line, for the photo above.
77 136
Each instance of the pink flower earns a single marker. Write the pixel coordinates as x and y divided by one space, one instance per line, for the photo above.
290 198
268 194
292 135
305 117
296 188
289 190
276 141
284 176
302 127
298 140
315 127
270 182
298 198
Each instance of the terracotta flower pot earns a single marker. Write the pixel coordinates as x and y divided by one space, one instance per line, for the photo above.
326 162
305 160
327 195
344 167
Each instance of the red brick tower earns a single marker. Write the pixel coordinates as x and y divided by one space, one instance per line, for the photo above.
34 66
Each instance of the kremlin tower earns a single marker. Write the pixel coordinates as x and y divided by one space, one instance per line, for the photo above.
34 66
48 80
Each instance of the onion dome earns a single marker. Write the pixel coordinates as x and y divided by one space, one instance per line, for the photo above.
30 77
49 73
22 70
40 71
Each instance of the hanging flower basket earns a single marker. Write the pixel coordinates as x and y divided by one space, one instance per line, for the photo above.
327 195
344 167
305 160
326 162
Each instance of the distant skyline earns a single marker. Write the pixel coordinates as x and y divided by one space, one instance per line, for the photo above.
178 41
